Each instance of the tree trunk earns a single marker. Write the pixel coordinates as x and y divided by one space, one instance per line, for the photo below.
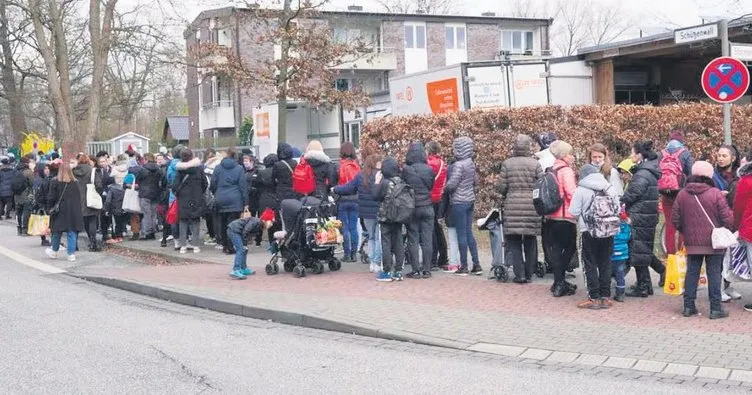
12 93
100 32
283 72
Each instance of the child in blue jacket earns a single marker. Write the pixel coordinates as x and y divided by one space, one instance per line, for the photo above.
620 256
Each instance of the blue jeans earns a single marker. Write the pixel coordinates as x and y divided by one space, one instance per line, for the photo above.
462 218
240 252
713 268
374 240
618 268
71 238
348 214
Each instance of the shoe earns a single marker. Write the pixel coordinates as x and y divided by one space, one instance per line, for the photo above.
71 258
689 311
461 271
151 236
46 243
589 304
135 237
384 277
397 276
163 243
219 247
248 271
347 259
619 297
748 307
725 298
237 274
606 303
662 279
210 242
51 254
637 292
196 250
415 275
718 314
170 237
370 267
449 268
426 275
518 280
435 268
564 289
733 293
477 270
183 250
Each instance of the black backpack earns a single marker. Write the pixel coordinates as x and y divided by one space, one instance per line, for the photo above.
19 183
546 197
399 203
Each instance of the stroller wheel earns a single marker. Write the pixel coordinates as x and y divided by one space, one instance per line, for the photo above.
318 268
299 271
288 266
271 268
334 265
500 272
540 269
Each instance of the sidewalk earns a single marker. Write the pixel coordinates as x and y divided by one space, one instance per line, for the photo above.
471 313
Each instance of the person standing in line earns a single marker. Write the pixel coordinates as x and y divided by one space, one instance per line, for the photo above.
420 177
347 207
743 209
66 216
392 246
676 164
230 194
83 173
461 185
103 169
6 187
323 170
545 157
212 218
560 229
600 158
700 208
149 180
522 224
22 192
189 186
439 257
282 174
263 182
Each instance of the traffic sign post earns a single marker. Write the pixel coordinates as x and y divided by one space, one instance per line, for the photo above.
725 79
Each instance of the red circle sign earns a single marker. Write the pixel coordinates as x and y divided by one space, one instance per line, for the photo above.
725 79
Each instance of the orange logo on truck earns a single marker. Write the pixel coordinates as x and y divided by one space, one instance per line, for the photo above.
443 96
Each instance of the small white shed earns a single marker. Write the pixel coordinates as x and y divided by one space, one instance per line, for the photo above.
118 145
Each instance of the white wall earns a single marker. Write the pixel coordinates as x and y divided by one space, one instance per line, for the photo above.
570 83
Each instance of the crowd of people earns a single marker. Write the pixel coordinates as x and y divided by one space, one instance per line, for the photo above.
612 209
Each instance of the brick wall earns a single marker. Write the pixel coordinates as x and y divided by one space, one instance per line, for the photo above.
393 35
254 53
436 45
483 42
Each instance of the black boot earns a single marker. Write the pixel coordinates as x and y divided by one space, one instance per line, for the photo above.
564 289
662 280
619 296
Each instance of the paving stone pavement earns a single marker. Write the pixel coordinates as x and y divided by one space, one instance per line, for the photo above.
643 336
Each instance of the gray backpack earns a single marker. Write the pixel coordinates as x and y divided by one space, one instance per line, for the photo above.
602 215
399 202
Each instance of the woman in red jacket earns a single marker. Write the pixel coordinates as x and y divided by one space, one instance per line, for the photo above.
698 209
743 207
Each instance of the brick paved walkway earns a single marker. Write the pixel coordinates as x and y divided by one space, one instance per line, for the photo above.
483 315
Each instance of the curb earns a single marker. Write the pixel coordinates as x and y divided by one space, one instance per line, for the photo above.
279 316
163 255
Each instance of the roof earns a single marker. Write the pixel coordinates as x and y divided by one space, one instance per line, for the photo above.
131 134
227 11
178 125
741 22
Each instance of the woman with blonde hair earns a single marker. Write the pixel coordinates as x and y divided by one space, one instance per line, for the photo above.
64 207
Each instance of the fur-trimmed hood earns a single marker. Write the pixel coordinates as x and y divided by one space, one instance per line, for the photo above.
316 156
195 162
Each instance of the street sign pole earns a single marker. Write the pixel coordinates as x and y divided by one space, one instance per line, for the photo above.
723 27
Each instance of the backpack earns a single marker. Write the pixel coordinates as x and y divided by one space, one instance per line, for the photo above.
303 178
399 202
546 197
672 173
19 183
348 170
602 216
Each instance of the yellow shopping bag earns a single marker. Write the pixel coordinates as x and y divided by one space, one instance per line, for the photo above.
39 224
676 271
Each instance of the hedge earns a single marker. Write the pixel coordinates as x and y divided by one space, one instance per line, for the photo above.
618 127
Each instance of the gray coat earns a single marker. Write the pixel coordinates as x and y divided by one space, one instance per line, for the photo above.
518 175
463 179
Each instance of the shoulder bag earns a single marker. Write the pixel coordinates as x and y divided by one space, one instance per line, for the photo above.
721 237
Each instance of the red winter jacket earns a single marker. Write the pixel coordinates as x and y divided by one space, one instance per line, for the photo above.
439 168
743 203
690 220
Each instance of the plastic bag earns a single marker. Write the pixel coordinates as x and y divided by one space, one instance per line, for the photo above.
172 213
131 203
39 224
676 271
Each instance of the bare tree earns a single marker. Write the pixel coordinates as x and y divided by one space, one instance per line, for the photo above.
100 35
570 29
11 92
414 6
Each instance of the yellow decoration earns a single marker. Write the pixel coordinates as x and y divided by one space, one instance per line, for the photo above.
33 142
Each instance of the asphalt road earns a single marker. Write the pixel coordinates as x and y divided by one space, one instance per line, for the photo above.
61 335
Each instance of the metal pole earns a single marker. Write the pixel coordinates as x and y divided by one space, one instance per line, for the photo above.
723 30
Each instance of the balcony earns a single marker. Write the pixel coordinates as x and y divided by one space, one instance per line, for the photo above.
379 59
217 115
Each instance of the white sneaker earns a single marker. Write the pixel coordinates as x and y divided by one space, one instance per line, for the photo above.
733 293
71 258
183 250
169 238
196 250
218 247
371 268
51 254
725 298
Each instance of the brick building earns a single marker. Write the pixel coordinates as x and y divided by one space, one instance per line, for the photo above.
401 44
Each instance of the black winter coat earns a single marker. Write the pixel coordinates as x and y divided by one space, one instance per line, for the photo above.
418 174
83 177
251 191
149 180
114 202
264 184
324 172
641 200
190 194
70 217
282 173
6 181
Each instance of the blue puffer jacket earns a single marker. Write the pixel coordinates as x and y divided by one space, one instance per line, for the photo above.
621 242
368 207
6 181
228 185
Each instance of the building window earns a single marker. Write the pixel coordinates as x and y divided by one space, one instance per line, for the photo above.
517 41
342 84
415 36
455 37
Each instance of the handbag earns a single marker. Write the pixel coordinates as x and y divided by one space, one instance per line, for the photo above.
55 209
93 198
721 238
172 213
130 200
39 224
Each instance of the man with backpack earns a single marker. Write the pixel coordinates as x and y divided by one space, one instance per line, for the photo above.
396 205
595 204
675 164
420 177
347 206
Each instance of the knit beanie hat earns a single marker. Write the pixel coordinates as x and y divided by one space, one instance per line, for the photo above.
314 145
702 168
677 135
587 170
560 149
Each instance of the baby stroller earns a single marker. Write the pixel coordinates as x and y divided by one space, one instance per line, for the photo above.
492 223
296 242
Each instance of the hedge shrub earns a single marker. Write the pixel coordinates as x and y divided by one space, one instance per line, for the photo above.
616 126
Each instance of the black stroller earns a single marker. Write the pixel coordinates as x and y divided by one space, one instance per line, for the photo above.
296 242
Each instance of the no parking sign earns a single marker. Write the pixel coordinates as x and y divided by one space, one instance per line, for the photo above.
725 79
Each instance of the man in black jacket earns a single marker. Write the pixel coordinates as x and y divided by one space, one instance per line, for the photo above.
420 177
103 170
149 180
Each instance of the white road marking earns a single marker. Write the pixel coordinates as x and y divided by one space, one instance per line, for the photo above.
30 262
